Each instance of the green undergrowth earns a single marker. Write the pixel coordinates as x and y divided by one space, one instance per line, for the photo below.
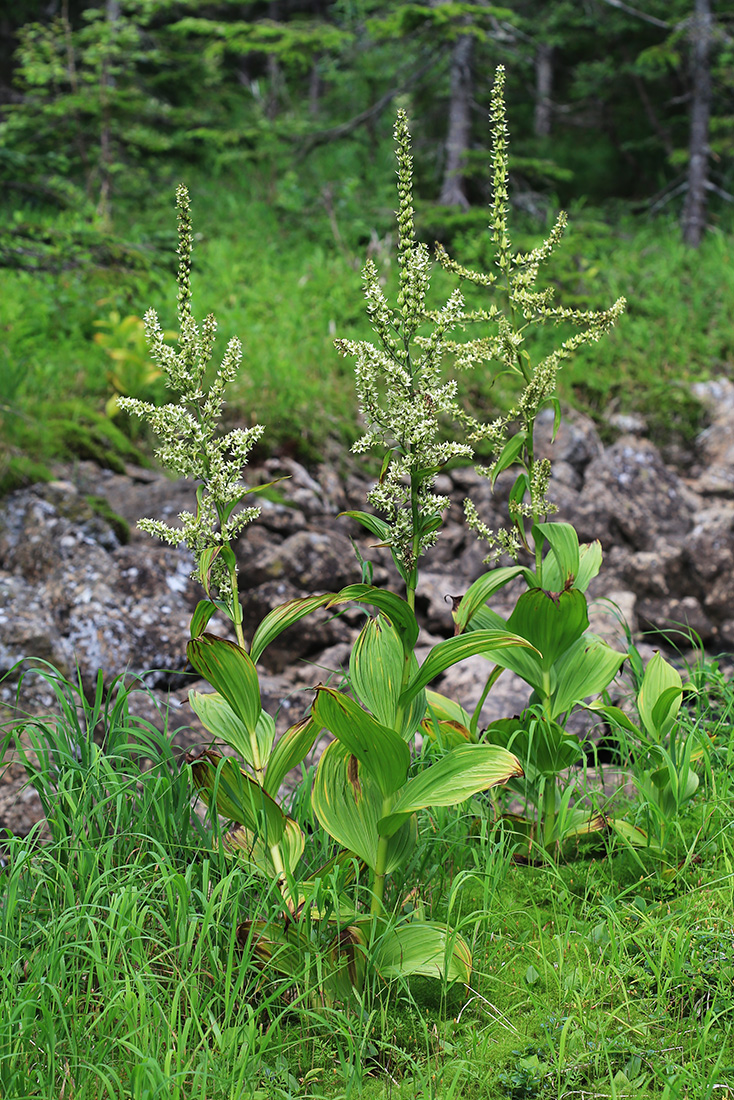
124 971
285 274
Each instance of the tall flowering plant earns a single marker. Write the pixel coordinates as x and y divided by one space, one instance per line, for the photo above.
363 795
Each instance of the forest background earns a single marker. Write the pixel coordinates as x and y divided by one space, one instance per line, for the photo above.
279 117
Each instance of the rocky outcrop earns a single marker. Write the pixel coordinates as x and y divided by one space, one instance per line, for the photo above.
82 589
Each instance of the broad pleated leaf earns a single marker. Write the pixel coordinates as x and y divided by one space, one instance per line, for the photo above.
586 668
543 747
493 644
236 795
422 947
447 720
291 749
463 772
479 592
525 662
551 622
667 706
446 732
579 822
348 804
253 851
563 566
281 618
659 675
380 751
590 559
376 669
415 711
446 709
230 671
396 609
202 614
217 716
635 836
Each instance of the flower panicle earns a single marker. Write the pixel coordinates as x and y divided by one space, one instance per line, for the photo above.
191 442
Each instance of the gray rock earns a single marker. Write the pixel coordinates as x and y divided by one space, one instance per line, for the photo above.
714 472
631 497
312 560
577 442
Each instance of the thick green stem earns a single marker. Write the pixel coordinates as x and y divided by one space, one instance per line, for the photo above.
378 878
236 608
412 582
276 854
549 812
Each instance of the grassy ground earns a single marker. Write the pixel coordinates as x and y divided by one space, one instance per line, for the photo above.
122 975
285 277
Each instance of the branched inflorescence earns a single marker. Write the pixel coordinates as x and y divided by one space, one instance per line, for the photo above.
399 382
190 442
515 279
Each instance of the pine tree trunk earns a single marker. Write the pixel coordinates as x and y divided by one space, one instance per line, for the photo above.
458 136
543 116
694 211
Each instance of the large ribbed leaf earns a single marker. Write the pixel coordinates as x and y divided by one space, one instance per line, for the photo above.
590 557
561 566
659 677
543 747
380 751
446 720
290 750
202 614
422 947
493 644
396 609
281 618
462 772
479 592
348 804
550 621
445 709
236 795
217 716
586 668
230 671
376 669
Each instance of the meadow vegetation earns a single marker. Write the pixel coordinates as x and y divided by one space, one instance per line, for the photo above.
279 278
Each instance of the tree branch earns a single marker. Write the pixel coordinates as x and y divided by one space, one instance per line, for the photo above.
344 129
640 14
